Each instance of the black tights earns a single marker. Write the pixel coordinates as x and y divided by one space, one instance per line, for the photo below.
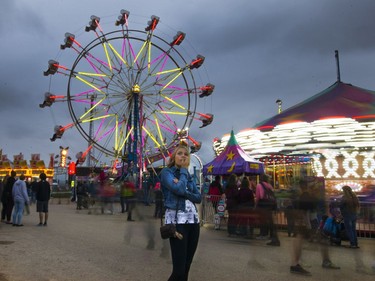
183 251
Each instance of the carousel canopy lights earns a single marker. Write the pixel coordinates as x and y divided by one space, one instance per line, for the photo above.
335 128
356 187
332 133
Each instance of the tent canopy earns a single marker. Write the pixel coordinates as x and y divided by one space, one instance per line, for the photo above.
233 160
338 100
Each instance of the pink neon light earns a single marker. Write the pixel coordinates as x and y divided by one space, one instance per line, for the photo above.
100 125
132 51
98 25
162 66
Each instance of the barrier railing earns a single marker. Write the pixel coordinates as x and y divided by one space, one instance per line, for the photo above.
365 222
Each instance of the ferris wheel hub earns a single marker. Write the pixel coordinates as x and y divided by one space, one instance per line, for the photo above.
136 89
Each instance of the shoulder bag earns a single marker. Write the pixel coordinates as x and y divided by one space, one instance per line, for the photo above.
269 199
169 230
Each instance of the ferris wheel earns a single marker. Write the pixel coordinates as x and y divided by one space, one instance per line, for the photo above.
131 94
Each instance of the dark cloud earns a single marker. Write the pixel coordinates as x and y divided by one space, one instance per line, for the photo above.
256 52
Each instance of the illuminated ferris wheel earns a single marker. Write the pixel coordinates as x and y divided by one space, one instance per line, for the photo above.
131 94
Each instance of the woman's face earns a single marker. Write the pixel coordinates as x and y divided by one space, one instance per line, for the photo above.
182 158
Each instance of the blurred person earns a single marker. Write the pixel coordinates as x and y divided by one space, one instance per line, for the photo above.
180 196
268 226
349 207
158 213
245 201
206 186
122 198
20 198
215 191
147 187
304 204
231 196
289 215
43 194
34 186
3 199
82 195
129 195
8 198
1 187
107 194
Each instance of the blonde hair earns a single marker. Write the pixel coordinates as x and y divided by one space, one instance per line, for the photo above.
172 158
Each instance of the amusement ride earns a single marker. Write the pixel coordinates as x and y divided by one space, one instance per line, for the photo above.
131 93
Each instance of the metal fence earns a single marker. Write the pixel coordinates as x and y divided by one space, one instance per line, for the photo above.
365 221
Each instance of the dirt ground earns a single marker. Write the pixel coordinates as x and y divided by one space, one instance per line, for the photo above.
79 246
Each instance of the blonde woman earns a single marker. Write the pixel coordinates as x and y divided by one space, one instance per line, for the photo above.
349 207
180 195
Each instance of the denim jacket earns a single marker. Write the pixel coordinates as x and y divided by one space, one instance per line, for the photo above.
178 192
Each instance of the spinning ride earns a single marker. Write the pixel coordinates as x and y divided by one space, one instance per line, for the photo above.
131 94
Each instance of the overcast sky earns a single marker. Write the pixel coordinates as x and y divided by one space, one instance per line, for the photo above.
257 51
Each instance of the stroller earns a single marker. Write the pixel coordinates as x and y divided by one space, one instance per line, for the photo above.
333 229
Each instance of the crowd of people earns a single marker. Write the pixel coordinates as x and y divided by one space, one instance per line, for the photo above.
247 207
249 201
252 204
16 198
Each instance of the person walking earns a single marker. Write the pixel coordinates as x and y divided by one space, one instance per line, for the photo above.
20 198
43 194
263 205
8 198
3 199
215 191
180 196
158 213
349 207
128 191
231 196
304 204
245 201
82 195
34 186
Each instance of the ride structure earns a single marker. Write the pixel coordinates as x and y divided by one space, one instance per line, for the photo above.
131 94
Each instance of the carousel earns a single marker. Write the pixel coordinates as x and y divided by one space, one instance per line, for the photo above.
329 135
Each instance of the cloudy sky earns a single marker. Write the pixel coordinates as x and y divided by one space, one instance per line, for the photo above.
257 51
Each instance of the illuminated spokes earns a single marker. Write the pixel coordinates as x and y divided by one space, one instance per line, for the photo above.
130 93
129 86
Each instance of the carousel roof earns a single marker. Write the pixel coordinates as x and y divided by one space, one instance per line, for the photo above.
337 101
340 117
